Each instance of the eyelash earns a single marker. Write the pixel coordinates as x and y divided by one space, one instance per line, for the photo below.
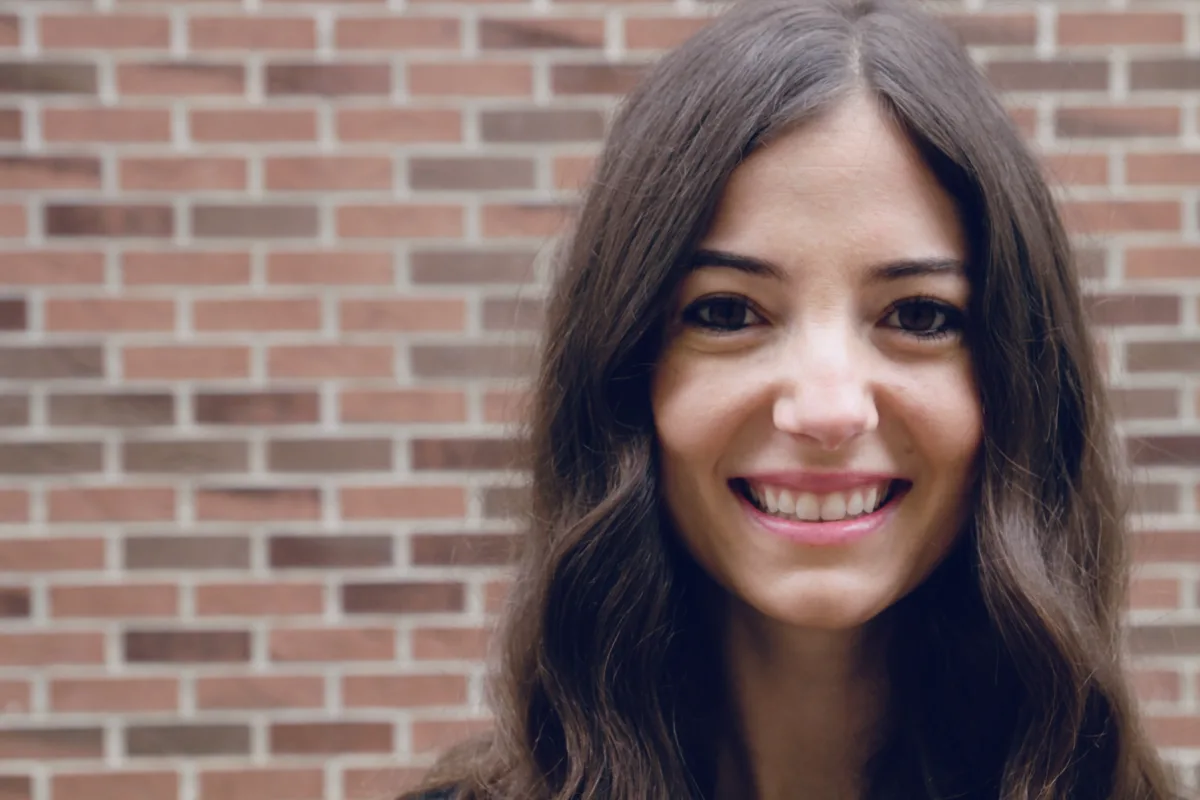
952 317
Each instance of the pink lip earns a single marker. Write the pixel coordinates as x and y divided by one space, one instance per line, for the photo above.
820 481
824 534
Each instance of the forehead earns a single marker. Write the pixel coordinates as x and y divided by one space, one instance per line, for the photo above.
847 186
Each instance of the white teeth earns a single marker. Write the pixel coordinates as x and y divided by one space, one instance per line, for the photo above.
807 507
811 507
833 507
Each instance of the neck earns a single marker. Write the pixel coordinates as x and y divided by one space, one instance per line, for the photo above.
806 706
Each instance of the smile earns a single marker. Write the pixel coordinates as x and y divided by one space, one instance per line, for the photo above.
820 518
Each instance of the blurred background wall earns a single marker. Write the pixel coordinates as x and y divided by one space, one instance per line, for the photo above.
269 274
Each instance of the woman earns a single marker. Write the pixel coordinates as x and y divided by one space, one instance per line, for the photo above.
824 504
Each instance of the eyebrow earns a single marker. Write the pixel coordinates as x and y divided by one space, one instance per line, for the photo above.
887 271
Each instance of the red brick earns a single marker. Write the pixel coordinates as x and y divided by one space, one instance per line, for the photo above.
49 267
262 782
330 80
1116 216
1074 75
1163 168
255 221
257 408
330 738
252 34
190 79
402 502
331 361
375 781
111 504
10 31
399 125
115 786
1156 685
168 174
401 405
467 266
204 552
254 125
98 695
433 735
463 549
332 644
114 601
328 173
265 600
527 219
117 125
1177 262
250 505
403 691
476 79
260 692
54 649
185 362
595 79
175 268
572 173
1178 731
408 314
104 31
14 221
660 33
333 268
401 598
49 172
16 697
282 314
515 33
1124 122
76 743
403 34
399 221
449 644
1154 593
1101 29
495 596
109 315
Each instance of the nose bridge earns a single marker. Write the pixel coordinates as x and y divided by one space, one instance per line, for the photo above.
826 394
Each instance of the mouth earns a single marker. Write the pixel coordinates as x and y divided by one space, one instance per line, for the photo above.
797 506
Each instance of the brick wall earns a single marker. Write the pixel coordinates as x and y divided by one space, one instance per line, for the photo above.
269 272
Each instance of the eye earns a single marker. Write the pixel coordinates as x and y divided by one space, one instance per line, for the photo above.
924 318
725 314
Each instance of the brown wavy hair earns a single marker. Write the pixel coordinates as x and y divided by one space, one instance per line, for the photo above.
1006 672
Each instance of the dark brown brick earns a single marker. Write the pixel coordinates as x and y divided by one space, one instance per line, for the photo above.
258 408
471 361
330 455
463 454
11 125
110 220
51 458
112 410
504 502
1146 403
464 549
330 552
1163 356
540 34
16 787
49 172
255 221
573 79
14 602
470 173
51 743
47 77
981 30
187 740
1146 640
187 647
187 552
1165 451
330 738
513 313
1179 74
472 267
1134 309
178 457
48 363
401 598
1156 498
1108 123
329 79
14 411
1048 76
542 125
13 314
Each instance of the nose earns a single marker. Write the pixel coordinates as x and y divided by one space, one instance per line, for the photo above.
826 393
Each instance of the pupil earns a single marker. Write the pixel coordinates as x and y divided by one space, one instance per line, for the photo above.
919 316
726 312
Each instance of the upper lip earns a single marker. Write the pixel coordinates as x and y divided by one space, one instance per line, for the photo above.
820 481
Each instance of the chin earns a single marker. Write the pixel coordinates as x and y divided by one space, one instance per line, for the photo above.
827 603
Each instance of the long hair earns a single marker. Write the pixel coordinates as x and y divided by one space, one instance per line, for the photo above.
1006 668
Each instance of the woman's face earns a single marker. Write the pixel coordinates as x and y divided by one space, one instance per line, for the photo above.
815 404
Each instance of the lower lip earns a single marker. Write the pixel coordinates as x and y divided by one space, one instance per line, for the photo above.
825 534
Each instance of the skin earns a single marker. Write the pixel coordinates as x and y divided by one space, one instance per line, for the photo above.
818 363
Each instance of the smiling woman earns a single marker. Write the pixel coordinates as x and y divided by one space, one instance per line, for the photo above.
823 500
